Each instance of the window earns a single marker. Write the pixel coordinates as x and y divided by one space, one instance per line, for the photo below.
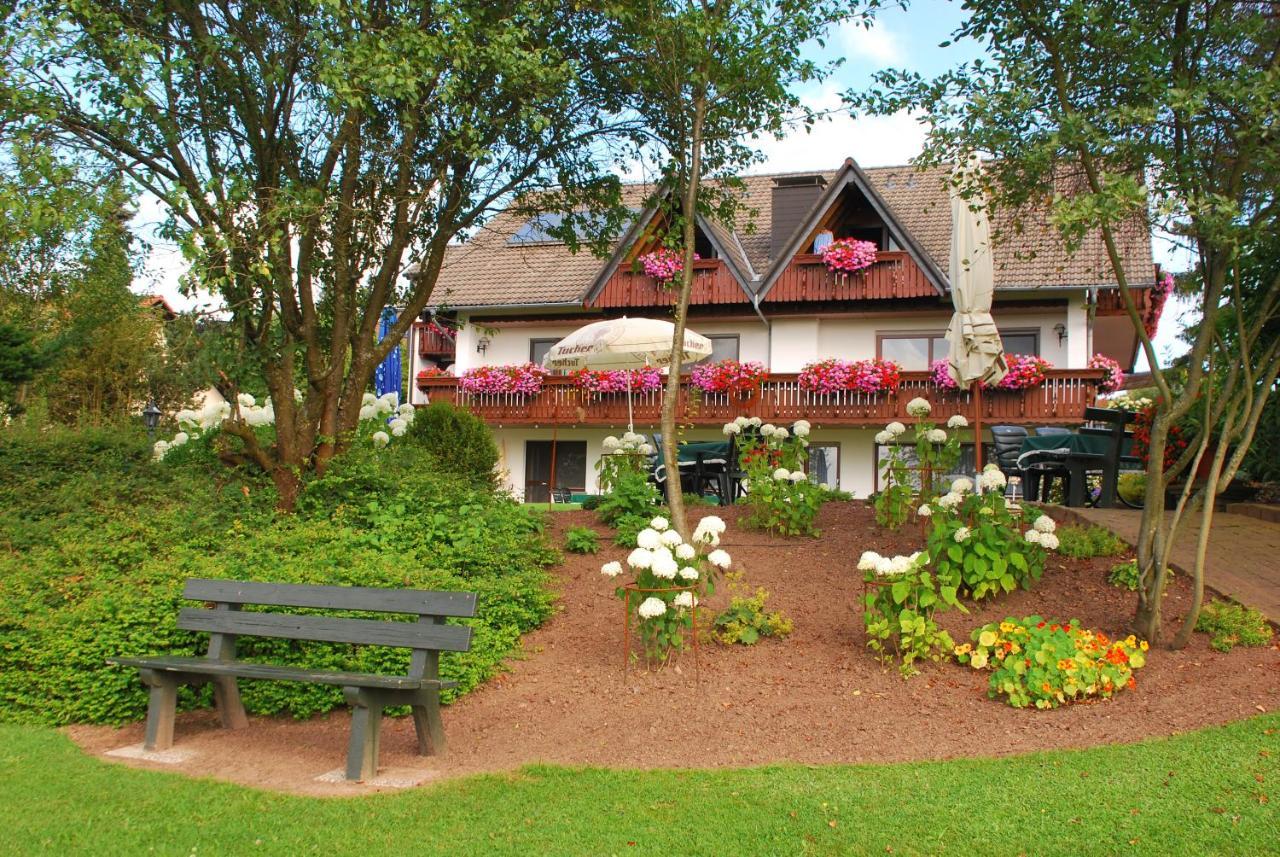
549 464
1021 342
538 349
966 466
914 352
724 346
824 464
543 228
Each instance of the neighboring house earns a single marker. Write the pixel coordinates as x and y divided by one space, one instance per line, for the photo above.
761 294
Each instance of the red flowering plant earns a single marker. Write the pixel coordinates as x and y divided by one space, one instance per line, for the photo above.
663 264
1175 444
1115 375
1036 661
645 380
430 372
1025 371
523 379
1155 306
849 255
728 376
874 375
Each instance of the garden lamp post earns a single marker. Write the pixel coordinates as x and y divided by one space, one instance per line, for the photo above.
151 418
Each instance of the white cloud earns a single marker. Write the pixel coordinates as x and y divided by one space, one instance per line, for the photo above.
876 44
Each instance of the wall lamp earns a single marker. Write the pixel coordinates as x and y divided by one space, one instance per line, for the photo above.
1061 330
482 345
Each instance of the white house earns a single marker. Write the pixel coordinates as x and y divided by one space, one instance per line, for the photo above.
762 294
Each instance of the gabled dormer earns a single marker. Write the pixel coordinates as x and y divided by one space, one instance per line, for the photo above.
809 212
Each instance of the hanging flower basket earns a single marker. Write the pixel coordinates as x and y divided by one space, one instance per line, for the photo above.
523 379
874 375
1025 371
849 255
663 264
1115 375
646 380
728 376
431 372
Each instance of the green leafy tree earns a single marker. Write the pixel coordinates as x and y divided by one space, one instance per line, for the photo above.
307 152
707 77
1123 117
19 360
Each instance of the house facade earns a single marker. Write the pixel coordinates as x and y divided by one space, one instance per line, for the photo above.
761 293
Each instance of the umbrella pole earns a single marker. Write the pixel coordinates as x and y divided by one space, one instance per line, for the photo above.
631 425
977 425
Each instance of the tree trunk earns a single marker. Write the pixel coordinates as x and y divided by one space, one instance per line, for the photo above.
689 212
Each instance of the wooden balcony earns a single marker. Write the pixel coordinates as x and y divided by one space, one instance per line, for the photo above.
712 284
1061 400
894 275
434 343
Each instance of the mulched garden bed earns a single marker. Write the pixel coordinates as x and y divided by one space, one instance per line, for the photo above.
816 698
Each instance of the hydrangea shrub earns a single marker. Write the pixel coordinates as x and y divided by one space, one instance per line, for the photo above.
780 495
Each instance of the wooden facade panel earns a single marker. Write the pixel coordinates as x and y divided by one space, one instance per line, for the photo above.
433 343
1111 303
712 284
1061 400
894 275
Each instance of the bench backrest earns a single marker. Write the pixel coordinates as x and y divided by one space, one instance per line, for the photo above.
226 621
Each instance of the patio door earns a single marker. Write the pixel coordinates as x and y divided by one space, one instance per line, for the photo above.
549 464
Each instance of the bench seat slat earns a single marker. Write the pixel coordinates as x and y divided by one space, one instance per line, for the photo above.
412 635
417 601
242 669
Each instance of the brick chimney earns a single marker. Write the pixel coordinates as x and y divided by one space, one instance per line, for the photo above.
793 196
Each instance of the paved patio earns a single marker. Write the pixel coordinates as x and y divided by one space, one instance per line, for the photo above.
1243 561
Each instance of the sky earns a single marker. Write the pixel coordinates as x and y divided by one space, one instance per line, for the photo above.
900 38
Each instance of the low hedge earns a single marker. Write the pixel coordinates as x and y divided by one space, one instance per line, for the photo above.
103 575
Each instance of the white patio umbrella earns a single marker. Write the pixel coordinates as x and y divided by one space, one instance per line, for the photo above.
977 355
624 343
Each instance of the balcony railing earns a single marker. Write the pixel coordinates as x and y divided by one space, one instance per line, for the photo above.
712 284
435 343
894 275
1061 400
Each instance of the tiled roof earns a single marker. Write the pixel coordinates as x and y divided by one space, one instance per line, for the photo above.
489 271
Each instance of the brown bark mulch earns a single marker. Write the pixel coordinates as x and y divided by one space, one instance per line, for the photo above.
816 698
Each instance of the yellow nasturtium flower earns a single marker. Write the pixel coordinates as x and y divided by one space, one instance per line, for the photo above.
987 638
979 660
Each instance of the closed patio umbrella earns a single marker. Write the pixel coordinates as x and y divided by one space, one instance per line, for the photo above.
624 343
977 355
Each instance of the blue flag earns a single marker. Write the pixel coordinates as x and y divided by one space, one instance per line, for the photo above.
386 378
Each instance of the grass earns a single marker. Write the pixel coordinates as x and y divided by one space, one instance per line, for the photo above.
1209 792
554 507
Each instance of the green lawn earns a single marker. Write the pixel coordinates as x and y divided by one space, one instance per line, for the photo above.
1204 793
554 507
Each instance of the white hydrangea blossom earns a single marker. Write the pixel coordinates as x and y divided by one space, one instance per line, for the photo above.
648 538
671 538
684 599
398 426
640 558
919 407
950 500
180 438
992 480
1033 536
896 429
925 511
962 535
797 476
245 400
732 429
957 421
963 485
659 523
651 608
782 474
883 438
611 569
368 399
689 573
646 449
381 439
868 560
741 422
159 450
780 433
719 558
631 437
368 412
665 566
936 436
754 422
1049 541
711 525
610 444
768 429
801 428
1045 524
686 551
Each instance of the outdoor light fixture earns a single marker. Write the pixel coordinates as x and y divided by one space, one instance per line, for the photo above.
1061 330
151 418
482 345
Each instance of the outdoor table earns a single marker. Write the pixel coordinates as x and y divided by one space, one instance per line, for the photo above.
711 451
1076 452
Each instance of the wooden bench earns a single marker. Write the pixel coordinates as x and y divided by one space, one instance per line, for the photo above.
368 694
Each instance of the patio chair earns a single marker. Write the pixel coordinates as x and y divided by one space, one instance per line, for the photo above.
1008 445
1111 423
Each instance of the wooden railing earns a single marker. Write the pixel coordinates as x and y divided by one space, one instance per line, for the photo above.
1061 400
712 284
894 275
434 343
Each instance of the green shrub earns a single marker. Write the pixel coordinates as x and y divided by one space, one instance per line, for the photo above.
632 495
746 620
1087 542
99 540
629 526
591 502
1230 625
1124 575
582 540
457 440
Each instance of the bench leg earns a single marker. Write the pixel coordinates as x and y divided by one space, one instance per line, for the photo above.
428 724
366 728
160 710
226 696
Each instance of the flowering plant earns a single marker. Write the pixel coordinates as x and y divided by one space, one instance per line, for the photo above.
728 376
646 380
1035 661
898 611
1115 375
781 497
977 544
937 451
663 264
624 478
670 575
873 375
523 379
849 255
940 374
1175 442
430 372
1025 371
1155 305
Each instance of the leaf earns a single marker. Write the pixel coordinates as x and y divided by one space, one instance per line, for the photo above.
749 636
956 554
900 591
